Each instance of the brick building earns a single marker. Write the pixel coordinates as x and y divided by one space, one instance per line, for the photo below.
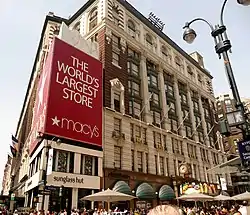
159 109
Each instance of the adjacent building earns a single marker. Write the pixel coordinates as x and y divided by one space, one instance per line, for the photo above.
226 104
159 118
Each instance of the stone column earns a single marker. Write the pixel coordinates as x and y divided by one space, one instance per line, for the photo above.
144 90
164 106
203 122
178 107
192 117
77 163
74 197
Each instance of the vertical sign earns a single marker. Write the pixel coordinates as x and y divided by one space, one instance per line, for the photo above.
223 184
244 151
50 162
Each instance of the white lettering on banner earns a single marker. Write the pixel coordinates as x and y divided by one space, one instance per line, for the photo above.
76 126
79 86
67 179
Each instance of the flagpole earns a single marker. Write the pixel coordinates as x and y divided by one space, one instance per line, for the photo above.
182 123
139 115
209 133
196 128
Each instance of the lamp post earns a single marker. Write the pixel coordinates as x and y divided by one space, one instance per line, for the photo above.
222 47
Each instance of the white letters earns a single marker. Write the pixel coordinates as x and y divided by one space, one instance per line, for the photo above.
79 87
80 128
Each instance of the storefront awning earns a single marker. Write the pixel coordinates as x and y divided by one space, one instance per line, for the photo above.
122 187
145 191
229 166
166 193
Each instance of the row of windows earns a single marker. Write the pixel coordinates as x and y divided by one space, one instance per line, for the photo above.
63 161
140 163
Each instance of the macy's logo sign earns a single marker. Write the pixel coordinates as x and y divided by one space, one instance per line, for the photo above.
76 126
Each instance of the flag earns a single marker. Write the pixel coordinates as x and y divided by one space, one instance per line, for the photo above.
15 143
13 151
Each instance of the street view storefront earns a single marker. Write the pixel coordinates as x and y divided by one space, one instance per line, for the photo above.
150 190
76 172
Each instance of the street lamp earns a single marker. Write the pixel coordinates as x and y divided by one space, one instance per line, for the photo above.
222 47
244 2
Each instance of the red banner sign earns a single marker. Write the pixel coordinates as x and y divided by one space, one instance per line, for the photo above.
69 97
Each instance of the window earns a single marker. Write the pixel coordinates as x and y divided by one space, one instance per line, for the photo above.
131 28
157 139
89 165
169 90
117 156
174 125
190 72
183 98
133 159
177 146
197 121
164 53
88 170
133 69
156 118
178 64
77 26
175 167
146 158
117 101
201 136
115 50
206 112
137 131
152 80
156 164
149 41
161 165
63 161
167 170
144 135
117 125
139 161
133 54
93 18
196 106
185 115
134 108
188 132
134 88
172 108
155 100
115 13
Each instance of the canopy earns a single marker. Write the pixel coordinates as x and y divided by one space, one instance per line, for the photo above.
242 196
108 196
195 197
166 193
122 187
145 191
222 198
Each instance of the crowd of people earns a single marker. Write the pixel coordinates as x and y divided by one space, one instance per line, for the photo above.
224 209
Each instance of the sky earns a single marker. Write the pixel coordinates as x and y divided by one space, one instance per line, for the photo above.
21 25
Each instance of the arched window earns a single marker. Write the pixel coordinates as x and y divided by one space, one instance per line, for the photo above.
149 39
178 63
77 26
164 51
131 28
131 25
93 18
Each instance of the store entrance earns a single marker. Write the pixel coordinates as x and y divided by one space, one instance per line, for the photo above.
59 202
